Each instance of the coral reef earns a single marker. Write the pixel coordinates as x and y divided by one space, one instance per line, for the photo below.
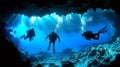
103 55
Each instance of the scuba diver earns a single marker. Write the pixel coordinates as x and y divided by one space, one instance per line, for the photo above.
52 37
90 35
30 34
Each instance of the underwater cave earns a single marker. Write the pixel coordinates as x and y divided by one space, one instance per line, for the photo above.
73 50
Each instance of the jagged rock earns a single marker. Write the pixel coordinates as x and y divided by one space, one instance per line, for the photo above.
67 64
39 65
117 59
107 60
24 55
118 39
92 53
93 63
33 58
43 55
52 65
101 50
10 56
59 6
67 51
116 62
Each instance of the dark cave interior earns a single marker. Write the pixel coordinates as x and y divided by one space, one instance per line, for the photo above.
61 7
10 56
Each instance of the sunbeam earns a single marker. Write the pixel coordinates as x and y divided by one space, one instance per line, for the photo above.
69 27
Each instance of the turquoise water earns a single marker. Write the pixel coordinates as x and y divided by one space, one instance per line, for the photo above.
69 27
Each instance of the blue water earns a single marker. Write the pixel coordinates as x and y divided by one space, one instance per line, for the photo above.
69 27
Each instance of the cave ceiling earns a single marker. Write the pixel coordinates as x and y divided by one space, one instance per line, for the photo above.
61 7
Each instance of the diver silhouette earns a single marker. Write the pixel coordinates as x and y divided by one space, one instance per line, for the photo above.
30 34
52 37
90 35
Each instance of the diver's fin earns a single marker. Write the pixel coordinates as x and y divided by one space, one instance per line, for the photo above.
22 36
103 30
